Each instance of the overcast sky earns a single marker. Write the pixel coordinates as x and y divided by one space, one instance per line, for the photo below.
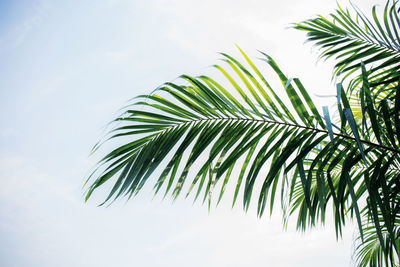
66 67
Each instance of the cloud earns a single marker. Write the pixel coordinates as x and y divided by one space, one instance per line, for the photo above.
231 238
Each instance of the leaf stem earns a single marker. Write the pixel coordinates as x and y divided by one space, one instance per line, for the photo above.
302 127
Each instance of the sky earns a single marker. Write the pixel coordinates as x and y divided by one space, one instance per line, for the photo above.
66 67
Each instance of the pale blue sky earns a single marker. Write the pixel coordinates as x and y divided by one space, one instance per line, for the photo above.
66 67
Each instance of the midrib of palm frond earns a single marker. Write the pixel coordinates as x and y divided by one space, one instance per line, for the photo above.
346 38
351 37
346 137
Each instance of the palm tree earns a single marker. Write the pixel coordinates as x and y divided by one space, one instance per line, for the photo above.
203 134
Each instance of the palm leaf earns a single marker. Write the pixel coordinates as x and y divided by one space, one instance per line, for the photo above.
352 39
203 133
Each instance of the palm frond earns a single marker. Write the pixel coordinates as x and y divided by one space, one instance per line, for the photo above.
216 129
377 248
205 117
352 39
242 133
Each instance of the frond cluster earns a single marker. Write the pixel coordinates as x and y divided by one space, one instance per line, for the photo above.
240 131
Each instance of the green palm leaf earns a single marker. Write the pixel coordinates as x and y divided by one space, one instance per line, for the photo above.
190 118
206 133
353 39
